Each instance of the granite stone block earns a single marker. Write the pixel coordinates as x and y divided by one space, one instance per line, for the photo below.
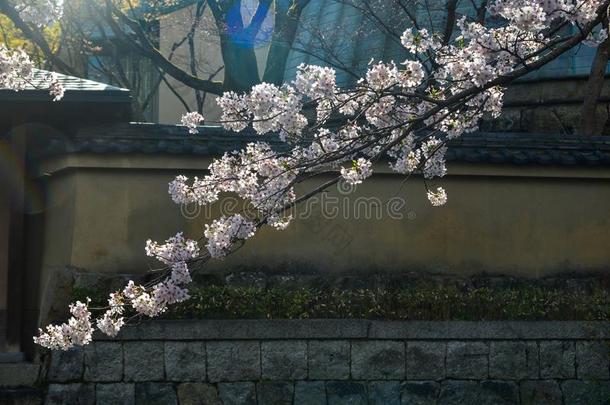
275 392
154 393
233 361
66 365
467 360
593 360
77 394
328 359
104 362
238 393
509 360
284 360
185 361
144 361
378 360
587 392
346 393
419 392
426 360
115 394
537 392
310 393
557 359
384 393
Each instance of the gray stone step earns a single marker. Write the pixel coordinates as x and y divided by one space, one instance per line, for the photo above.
20 396
12 357
18 374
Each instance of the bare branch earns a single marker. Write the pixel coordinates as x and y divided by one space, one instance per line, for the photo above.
148 49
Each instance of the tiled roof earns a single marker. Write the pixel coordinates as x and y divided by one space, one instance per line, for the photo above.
77 89
508 148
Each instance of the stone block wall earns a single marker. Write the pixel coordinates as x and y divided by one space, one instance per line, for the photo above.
339 362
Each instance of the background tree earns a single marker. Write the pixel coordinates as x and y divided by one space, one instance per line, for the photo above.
118 28
13 38
119 41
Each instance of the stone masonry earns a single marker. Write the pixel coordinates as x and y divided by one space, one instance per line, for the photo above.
339 362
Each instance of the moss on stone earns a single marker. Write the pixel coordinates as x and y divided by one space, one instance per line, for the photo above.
432 303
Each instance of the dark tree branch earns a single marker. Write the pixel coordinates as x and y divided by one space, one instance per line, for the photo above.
148 49
199 10
287 16
256 22
450 22
174 92
241 67
593 89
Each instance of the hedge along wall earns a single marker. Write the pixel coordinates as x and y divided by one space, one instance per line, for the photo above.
339 362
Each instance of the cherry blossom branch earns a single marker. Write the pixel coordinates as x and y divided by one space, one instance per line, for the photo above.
404 114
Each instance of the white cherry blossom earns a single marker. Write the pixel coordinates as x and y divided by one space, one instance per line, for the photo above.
56 89
16 69
191 120
437 197
418 41
76 332
358 172
222 233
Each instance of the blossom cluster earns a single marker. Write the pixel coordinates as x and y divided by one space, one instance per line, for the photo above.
360 170
536 15
437 197
269 108
418 41
191 120
16 67
56 89
40 12
256 174
76 332
146 300
222 232
17 71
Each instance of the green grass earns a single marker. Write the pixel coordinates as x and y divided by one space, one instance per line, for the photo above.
430 303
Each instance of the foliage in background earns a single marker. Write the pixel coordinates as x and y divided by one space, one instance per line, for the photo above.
13 38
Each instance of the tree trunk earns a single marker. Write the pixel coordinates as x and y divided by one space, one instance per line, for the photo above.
286 23
588 116
241 68
236 45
